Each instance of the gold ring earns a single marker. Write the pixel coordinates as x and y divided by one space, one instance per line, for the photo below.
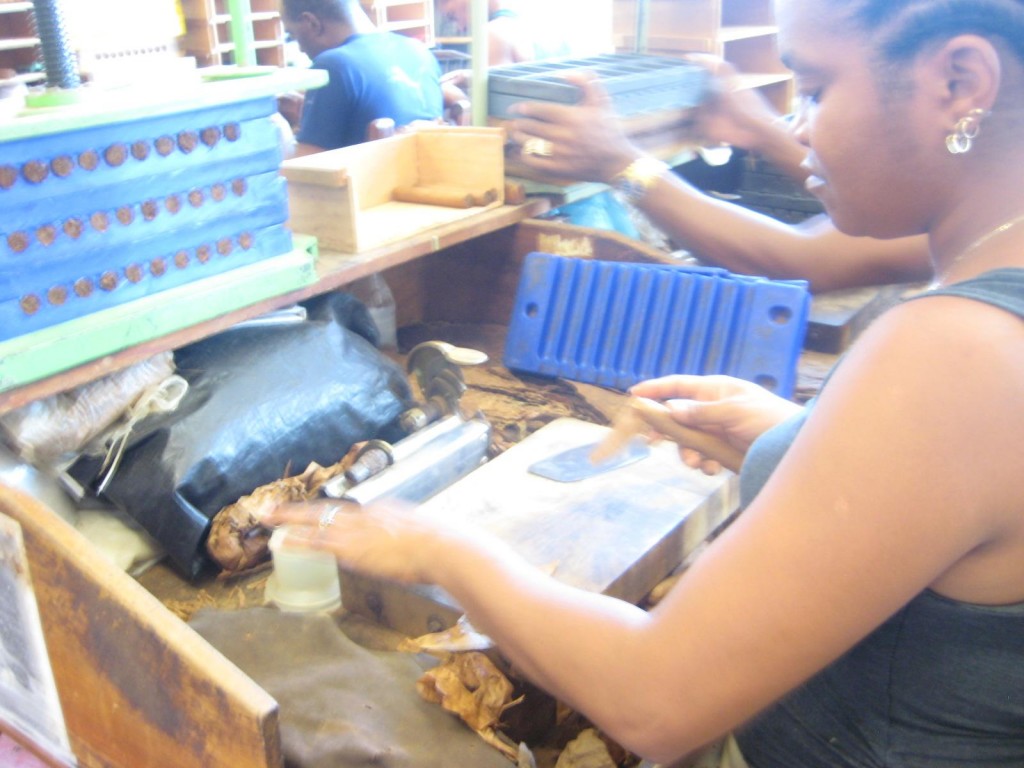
327 517
541 147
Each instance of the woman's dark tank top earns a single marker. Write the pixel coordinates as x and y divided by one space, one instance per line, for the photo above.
938 685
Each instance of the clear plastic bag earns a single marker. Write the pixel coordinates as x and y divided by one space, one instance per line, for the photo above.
57 428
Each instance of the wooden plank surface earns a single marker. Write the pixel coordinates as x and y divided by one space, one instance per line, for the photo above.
137 686
838 317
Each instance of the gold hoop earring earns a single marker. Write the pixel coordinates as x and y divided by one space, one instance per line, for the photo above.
965 132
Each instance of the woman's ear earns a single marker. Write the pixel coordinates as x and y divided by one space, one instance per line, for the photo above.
968 74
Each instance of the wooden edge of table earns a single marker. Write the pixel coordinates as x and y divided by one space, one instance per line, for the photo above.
137 686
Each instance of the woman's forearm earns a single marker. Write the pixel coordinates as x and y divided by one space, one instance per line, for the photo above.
727 235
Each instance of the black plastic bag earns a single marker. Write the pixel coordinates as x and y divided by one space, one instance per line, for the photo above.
263 402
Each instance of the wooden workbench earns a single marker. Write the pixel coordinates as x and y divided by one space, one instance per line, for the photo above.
137 685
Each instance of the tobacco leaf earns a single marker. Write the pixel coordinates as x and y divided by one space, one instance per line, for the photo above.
238 541
471 686
461 637
518 404
587 750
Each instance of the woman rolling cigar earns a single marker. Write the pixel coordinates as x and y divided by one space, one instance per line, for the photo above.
867 607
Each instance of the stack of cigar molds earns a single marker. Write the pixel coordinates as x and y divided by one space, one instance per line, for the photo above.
120 196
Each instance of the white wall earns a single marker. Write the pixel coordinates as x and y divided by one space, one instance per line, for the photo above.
125 42
119 25
572 27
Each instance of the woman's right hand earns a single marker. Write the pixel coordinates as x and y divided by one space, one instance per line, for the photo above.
585 141
387 540
734 410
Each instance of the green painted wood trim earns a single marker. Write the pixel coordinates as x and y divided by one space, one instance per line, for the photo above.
43 353
241 32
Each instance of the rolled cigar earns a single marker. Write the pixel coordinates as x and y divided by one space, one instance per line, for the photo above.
515 193
479 197
450 198
485 198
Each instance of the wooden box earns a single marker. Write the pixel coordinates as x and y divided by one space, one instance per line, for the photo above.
346 197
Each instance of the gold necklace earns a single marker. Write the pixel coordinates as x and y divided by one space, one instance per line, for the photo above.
995 232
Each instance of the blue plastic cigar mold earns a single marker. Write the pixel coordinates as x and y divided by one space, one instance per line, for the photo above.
102 206
614 324
635 83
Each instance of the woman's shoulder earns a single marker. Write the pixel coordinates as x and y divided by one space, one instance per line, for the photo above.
953 351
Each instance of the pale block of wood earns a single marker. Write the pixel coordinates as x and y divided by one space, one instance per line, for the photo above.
619 533
343 197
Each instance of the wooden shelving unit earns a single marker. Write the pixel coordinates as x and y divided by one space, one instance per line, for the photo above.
19 45
209 36
742 32
210 40
414 18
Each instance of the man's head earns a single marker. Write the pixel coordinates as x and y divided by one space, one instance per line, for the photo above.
317 25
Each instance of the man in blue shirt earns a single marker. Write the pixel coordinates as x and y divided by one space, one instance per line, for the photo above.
373 74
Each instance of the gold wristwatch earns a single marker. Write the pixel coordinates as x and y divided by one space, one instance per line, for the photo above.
636 180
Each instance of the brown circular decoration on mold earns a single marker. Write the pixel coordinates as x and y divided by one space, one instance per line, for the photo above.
35 171
187 141
196 197
232 131
57 295
140 150
30 304
125 215
239 187
17 241
224 246
100 221
210 136
108 281
164 145
172 203
133 272
88 160
181 259
150 208
203 253
83 287
245 240
115 154
62 166
46 234
218 192
8 175
73 228
157 267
